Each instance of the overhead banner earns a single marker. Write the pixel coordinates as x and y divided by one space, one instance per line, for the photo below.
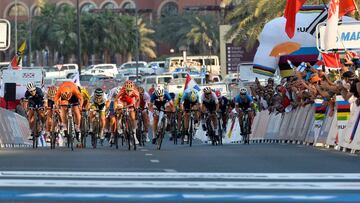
348 37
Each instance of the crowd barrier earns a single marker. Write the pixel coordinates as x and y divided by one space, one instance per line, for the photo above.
14 129
311 125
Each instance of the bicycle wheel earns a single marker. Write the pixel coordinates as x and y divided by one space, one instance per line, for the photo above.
161 134
210 131
191 131
116 140
139 132
35 130
131 134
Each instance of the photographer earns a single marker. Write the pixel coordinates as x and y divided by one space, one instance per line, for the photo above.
354 82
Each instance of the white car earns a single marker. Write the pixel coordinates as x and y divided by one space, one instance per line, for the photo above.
103 69
61 71
129 68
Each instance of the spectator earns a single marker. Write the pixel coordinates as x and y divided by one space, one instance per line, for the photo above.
152 89
20 108
354 90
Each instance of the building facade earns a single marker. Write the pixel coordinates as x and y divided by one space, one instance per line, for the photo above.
155 8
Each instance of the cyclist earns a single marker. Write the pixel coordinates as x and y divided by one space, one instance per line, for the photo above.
144 102
179 113
223 106
209 103
49 103
161 100
68 93
128 97
243 101
110 106
190 101
86 98
34 98
98 102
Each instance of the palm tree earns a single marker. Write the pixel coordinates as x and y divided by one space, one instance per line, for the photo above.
204 30
249 18
146 43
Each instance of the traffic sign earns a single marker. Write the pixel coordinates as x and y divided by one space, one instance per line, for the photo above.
4 34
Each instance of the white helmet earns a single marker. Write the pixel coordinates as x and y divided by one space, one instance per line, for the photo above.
243 91
159 92
30 86
207 90
116 91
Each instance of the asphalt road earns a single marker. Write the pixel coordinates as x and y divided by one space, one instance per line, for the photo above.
178 173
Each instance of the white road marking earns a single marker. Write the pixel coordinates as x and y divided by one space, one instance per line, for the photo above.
148 154
144 150
176 175
180 184
154 161
170 170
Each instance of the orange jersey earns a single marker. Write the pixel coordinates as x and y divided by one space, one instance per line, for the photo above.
73 88
132 99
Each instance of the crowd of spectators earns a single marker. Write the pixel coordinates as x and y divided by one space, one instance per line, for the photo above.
308 84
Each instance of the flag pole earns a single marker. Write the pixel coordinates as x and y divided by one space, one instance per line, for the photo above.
16 18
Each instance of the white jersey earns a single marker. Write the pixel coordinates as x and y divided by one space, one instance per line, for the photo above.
112 94
213 97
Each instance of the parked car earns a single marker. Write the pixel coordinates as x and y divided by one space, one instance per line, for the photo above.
157 80
130 68
103 69
122 78
102 81
61 71
157 66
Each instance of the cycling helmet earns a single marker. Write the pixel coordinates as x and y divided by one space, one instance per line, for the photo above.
218 93
30 86
243 91
66 93
193 96
159 92
99 92
129 85
52 91
207 90
141 90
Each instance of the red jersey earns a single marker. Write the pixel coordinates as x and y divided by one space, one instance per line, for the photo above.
128 100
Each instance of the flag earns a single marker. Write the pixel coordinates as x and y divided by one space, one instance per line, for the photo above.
292 7
318 65
17 59
290 64
332 25
346 6
190 83
331 60
76 79
301 67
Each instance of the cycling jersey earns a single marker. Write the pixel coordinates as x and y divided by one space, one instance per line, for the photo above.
243 103
128 100
223 103
111 95
144 100
177 100
76 94
209 103
37 100
186 100
160 104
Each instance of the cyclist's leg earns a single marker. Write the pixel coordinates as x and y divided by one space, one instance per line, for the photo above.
77 116
240 120
31 120
155 125
186 115
146 123
63 117
102 124
92 117
133 123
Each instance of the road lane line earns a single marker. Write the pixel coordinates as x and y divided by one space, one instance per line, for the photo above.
223 185
148 154
154 161
179 196
181 175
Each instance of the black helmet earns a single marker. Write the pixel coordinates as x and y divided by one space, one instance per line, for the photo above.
99 92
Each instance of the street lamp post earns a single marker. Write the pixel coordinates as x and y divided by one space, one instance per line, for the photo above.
78 36
222 8
137 42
